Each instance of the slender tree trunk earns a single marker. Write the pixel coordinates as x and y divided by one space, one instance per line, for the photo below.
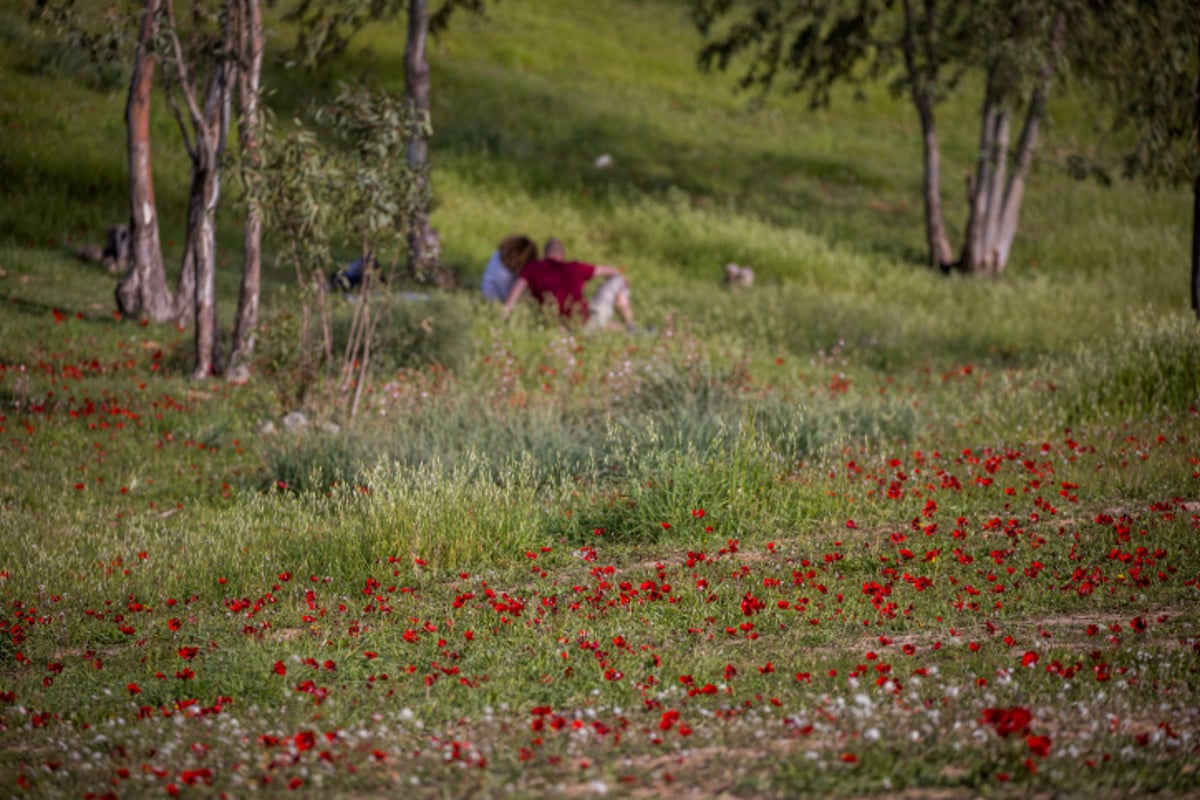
205 301
1196 202
1002 211
1014 193
935 227
202 227
994 194
424 248
358 342
209 126
1196 246
997 189
987 191
185 287
142 291
250 55
979 185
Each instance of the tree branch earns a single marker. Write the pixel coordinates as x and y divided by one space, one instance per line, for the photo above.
184 80
173 105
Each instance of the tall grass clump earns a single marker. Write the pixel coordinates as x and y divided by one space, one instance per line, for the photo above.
1150 367
652 487
560 410
444 516
417 330
387 518
317 461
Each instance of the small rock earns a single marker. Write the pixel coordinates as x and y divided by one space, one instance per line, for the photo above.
295 419
239 375
737 275
265 428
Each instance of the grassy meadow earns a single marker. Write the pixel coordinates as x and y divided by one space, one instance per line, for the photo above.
857 530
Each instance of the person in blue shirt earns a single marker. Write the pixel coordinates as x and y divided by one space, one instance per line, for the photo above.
501 273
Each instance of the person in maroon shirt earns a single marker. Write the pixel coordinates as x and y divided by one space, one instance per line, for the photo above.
553 277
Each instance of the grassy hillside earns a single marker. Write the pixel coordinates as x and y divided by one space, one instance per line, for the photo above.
525 100
858 530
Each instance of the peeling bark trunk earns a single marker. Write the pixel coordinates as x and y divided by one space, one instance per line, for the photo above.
142 291
985 190
1014 195
209 126
424 248
977 192
202 230
995 195
250 55
185 288
202 223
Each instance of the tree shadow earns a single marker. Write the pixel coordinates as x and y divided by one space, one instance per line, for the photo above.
544 138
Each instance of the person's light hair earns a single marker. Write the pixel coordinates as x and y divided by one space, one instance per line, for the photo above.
554 248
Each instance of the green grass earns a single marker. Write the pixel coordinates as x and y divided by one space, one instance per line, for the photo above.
797 540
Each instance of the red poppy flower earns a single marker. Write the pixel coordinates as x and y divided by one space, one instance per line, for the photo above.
1039 745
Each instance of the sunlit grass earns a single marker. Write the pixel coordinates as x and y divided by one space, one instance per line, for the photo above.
797 539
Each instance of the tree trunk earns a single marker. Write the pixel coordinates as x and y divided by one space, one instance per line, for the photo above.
250 56
1003 210
1196 202
1014 193
142 291
424 248
994 197
935 227
986 190
997 188
185 288
1196 246
209 127
979 186
202 223
922 96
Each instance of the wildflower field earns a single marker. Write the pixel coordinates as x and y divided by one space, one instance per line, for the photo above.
858 530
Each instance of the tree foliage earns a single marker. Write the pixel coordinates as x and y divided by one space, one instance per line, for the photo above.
362 192
102 38
922 50
1146 65
379 191
326 27
1143 60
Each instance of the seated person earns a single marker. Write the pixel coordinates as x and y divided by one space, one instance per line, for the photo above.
513 253
348 278
555 277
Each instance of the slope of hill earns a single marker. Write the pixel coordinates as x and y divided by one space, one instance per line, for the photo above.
824 205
